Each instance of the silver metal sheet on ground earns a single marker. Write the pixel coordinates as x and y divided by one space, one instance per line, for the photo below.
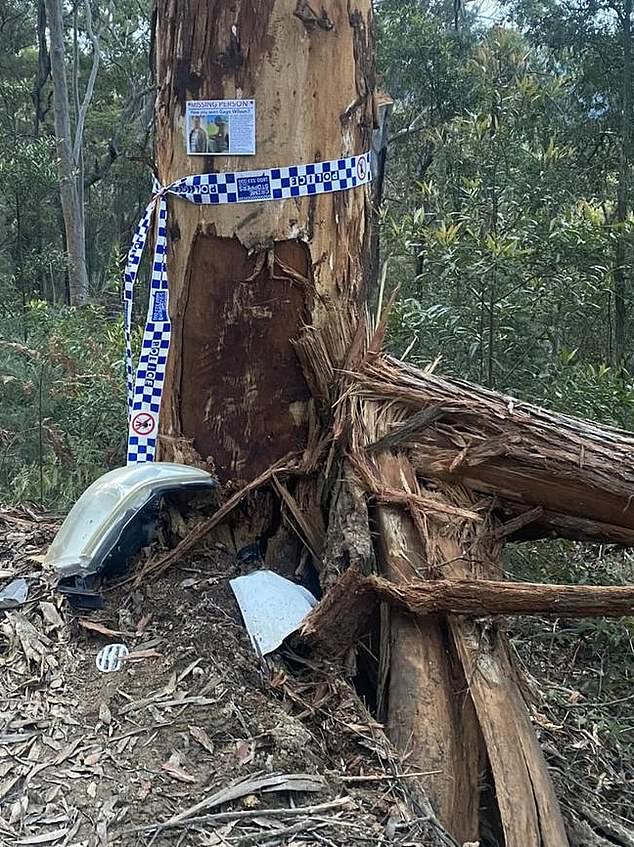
14 594
272 607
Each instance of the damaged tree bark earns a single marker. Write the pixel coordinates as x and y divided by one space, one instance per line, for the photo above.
269 359
565 476
493 457
245 279
468 700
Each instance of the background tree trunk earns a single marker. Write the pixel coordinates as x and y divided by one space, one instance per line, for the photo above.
43 69
621 267
245 279
68 185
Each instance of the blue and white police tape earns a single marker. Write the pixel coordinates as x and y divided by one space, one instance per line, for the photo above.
146 388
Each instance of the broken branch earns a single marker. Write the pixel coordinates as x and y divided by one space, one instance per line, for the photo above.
343 614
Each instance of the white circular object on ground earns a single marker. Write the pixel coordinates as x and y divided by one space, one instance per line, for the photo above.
111 658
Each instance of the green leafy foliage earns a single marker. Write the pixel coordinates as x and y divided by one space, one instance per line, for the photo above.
62 396
499 218
62 384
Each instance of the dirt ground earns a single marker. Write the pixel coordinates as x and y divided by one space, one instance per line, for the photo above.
197 741
88 758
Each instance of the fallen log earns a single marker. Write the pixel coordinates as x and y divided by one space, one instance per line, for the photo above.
343 614
580 473
496 597
453 699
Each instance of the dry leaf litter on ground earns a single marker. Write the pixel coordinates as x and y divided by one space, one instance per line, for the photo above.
195 741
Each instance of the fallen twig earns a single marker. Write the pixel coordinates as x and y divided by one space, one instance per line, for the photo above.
160 565
382 777
243 787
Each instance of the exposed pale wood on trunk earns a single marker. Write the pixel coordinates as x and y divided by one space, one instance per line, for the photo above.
246 278
416 424
430 714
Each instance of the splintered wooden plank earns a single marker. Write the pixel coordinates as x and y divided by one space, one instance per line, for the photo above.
526 799
430 713
579 472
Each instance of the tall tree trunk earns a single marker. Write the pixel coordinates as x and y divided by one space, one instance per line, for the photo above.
251 285
68 184
621 269
246 279
19 264
43 69
259 290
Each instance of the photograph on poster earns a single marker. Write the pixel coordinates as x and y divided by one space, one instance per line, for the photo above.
217 127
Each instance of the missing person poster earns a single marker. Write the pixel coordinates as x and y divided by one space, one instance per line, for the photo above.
220 127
